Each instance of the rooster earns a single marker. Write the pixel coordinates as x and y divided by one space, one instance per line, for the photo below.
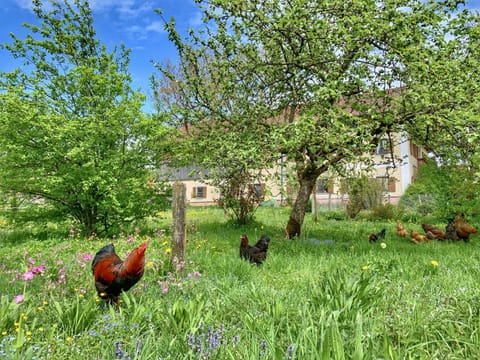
401 231
257 253
417 238
462 228
374 237
112 275
433 232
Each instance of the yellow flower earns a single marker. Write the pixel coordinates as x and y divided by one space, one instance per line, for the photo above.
45 303
365 267
434 263
68 338
40 308
149 264
102 294
40 329
4 333
168 251
28 333
165 243
80 295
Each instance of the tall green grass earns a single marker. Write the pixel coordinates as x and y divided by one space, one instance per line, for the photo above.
328 295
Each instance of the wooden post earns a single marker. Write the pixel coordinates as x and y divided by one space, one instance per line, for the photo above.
179 240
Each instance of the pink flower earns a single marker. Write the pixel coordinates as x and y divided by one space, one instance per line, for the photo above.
38 270
19 298
28 275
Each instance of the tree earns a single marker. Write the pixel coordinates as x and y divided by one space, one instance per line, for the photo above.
322 81
71 129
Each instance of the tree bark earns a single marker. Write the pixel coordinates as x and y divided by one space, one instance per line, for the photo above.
307 180
179 222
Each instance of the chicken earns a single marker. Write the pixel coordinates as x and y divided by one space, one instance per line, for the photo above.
433 232
112 275
401 231
256 253
374 237
450 231
463 229
417 238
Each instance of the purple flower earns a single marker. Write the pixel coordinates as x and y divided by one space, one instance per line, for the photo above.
27 276
19 298
38 270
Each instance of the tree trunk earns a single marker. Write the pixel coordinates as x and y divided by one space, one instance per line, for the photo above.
179 236
307 181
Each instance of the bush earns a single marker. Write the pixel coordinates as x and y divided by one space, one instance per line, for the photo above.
363 193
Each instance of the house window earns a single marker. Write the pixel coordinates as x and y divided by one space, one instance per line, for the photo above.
382 147
388 183
199 192
324 186
258 191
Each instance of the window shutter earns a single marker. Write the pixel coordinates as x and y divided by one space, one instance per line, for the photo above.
194 192
391 184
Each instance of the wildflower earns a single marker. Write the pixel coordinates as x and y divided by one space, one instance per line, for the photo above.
68 338
4 333
289 354
38 270
28 333
168 251
434 263
365 267
383 245
40 329
19 298
40 308
27 276
149 264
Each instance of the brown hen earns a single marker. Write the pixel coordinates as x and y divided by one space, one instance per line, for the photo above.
433 232
463 229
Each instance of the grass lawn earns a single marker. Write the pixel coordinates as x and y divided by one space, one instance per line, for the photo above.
343 298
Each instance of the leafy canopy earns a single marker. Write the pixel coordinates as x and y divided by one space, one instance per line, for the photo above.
72 131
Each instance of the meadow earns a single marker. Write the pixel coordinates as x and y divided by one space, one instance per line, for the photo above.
328 295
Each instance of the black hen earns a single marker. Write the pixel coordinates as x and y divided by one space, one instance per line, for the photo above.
256 253
374 237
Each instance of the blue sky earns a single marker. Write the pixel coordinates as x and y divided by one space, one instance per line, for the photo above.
131 22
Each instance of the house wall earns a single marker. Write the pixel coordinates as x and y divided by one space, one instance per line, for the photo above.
401 172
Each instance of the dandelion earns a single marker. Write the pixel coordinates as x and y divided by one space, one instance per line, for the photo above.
149 264
365 267
168 251
383 245
19 298
434 263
